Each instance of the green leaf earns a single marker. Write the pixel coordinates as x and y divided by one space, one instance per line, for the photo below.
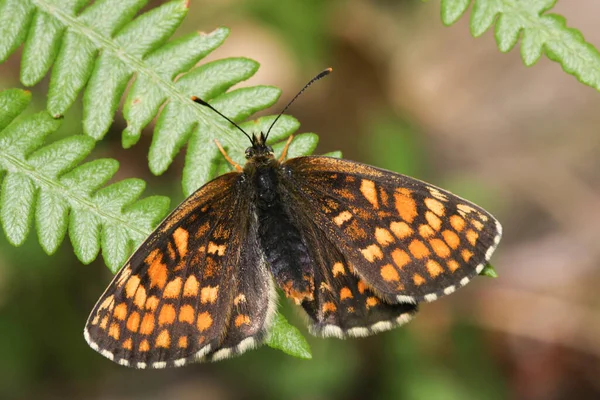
287 338
489 271
48 185
102 47
452 10
336 154
12 103
540 33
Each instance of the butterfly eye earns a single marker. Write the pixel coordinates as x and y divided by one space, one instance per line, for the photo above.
249 152
270 149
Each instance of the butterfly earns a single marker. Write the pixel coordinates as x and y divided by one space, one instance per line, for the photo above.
357 247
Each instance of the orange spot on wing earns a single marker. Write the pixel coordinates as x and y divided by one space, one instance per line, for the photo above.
435 206
147 325
457 223
171 251
372 302
152 303
204 321
472 236
186 314
389 273
120 312
133 322
182 342
125 273
345 293
368 190
418 279
372 252
213 248
209 294
241 320
240 298
167 314
400 257
433 220
383 196
104 322
157 270
328 307
128 344
338 269
361 286
418 249
140 297
342 217
451 238
477 224
433 268
131 286
439 247
401 229
453 265
405 205
466 255
163 339
383 236
465 208
114 331
144 345
426 231
190 289
180 237
173 289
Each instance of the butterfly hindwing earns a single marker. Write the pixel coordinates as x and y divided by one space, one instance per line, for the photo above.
343 304
177 299
408 240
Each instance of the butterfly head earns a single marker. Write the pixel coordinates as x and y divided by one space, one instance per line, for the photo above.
259 151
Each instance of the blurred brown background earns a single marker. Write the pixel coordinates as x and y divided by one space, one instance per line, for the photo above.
407 94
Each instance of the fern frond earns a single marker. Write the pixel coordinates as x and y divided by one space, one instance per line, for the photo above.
47 184
102 47
540 33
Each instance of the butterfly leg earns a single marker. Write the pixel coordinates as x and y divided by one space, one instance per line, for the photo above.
229 160
285 149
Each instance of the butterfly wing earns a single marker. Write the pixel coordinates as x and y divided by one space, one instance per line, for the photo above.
197 288
407 240
343 305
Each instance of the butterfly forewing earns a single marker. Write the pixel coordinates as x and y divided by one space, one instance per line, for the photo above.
179 297
408 240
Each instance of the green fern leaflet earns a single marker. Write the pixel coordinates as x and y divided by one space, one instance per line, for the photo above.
100 48
540 33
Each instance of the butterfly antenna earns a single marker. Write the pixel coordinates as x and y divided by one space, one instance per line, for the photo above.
200 101
313 80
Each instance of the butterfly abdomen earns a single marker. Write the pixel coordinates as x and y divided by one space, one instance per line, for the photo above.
280 239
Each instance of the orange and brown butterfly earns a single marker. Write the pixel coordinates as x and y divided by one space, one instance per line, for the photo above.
357 247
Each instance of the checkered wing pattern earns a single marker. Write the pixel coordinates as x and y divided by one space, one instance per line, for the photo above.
343 304
406 240
180 297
